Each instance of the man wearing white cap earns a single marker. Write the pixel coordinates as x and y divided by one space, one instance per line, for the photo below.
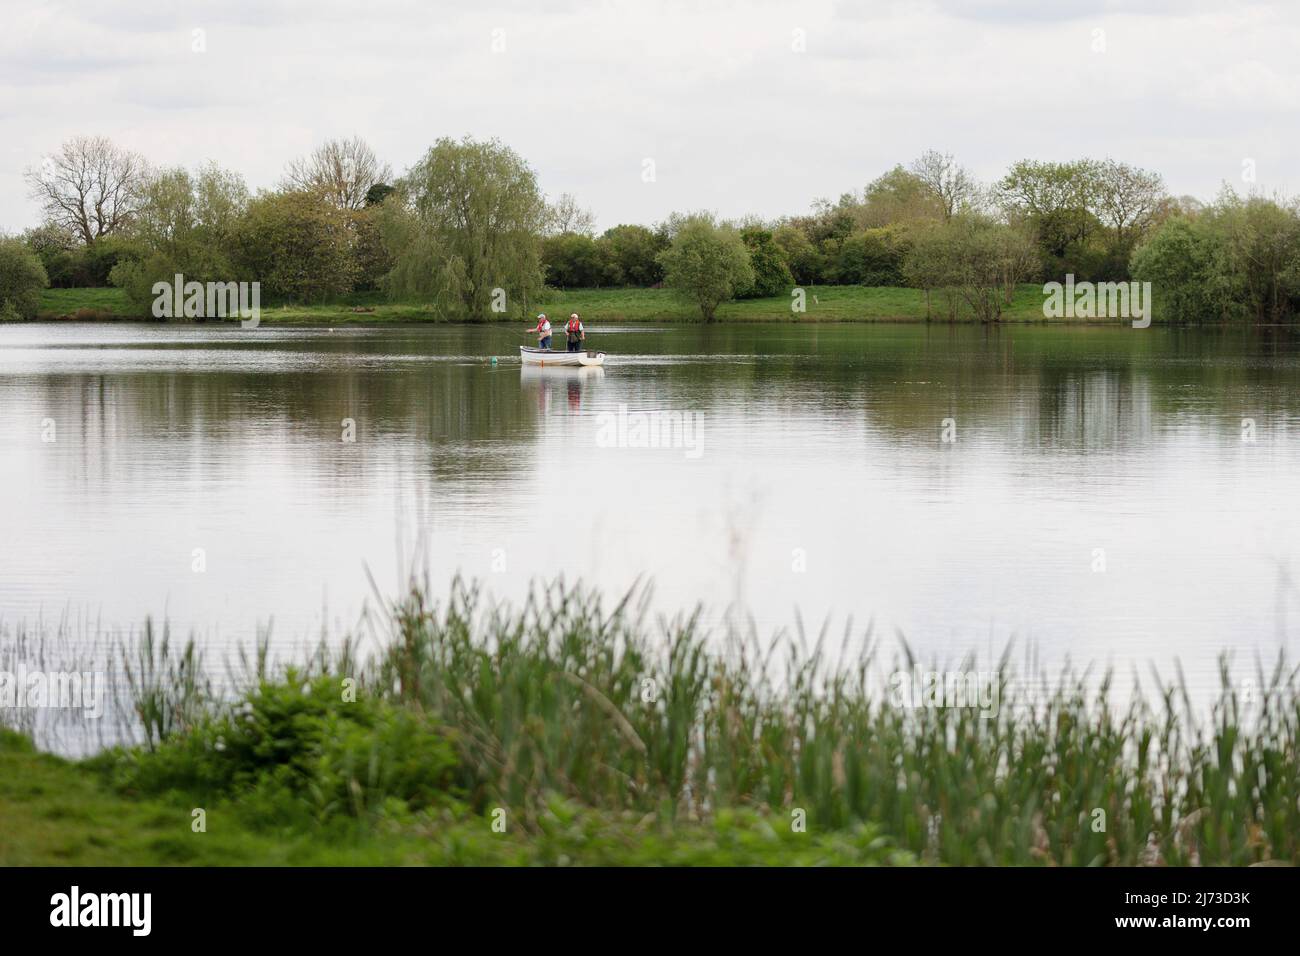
543 330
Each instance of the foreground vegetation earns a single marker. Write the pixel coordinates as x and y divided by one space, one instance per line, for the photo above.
597 306
54 812
567 732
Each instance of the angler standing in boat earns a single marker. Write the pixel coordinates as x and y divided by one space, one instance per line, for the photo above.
543 330
577 335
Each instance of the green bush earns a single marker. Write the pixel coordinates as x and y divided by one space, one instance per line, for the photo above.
73 265
296 245
575 261
22 277
136 277
296 747
771 271
371 259
632 251
1186 263
873 257
807 265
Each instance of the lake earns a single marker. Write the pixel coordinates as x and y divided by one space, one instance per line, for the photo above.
1108 494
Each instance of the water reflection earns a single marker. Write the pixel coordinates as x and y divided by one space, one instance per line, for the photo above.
557 389
825 439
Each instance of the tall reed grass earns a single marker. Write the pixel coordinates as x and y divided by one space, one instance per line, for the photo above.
568 697
573 700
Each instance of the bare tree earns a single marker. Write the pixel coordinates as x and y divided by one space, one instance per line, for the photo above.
343 170
90 187
955 188
565 215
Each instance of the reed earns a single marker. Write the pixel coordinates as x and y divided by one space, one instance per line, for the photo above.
572 709
565 697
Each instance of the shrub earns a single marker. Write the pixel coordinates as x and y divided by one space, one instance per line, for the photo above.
1186 264
806 264
575 261
371 258
873 257
22 277
632 251
297 746
771 271
136 277
297 245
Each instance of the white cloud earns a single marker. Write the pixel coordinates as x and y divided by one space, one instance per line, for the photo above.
735 119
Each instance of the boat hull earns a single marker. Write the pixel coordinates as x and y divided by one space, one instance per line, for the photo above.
549 358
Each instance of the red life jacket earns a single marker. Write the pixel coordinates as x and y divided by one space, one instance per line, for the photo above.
574 326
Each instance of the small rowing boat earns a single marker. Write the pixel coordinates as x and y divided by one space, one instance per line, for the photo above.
547 357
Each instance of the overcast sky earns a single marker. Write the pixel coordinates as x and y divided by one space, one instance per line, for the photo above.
735 117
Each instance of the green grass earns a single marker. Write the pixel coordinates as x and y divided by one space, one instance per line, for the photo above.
93 304
823 304
601 740
55 812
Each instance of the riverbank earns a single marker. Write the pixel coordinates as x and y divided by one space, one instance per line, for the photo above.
567 732
823 304
56 812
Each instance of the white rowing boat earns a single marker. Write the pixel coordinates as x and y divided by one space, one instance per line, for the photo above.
549 357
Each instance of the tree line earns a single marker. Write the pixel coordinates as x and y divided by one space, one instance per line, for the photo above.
468 229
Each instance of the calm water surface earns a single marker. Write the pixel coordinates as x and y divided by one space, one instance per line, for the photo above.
1099 500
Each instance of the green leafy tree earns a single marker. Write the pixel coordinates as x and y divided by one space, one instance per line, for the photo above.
1056 200
633 251
873 257
973 261
186 223
1126 200
931 265
771 272
22 277
903 196
577 261
297 244
371 258
1261 239
805 261
813 259
706 263
1187 263
378 193
469 222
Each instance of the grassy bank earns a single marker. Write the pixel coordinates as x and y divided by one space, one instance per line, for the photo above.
55 812
569 732
824 304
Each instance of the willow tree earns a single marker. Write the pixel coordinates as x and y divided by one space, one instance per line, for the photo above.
466 228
